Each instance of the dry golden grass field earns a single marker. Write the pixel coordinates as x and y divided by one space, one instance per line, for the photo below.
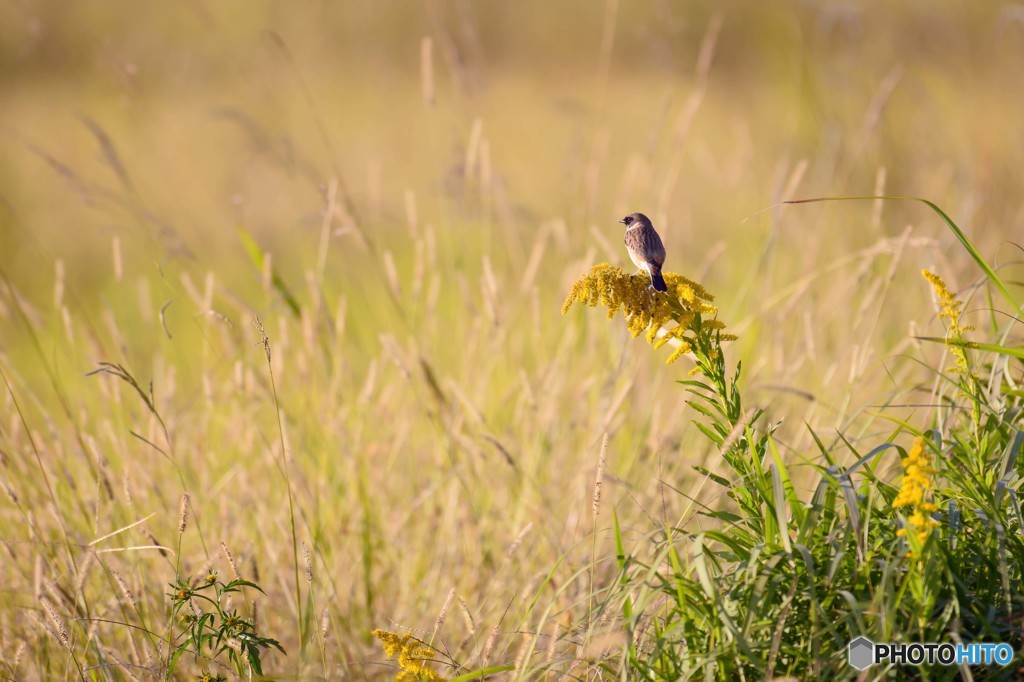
403 194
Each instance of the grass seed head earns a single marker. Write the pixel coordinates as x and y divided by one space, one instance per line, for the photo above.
123 586
307 562
183 513
58 624
231 560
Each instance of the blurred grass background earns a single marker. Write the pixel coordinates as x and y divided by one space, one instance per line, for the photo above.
466 161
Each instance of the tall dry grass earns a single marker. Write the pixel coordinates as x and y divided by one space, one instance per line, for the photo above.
403 198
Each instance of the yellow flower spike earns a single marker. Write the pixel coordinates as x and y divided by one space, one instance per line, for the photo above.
391 642
951 308
917 473
412 656
660 317
683 349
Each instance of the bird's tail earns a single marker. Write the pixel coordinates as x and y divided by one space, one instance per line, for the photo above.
657 281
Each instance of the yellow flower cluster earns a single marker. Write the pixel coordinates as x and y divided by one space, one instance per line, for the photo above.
412 655
917 480
661 317
951 309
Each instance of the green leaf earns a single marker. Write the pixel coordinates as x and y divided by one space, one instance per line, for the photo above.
267 642
779 495
796 509
734 541
821 446
712 436
253 654
724 482
809 523
482 673
234 584
256 256
990 347
693 384
172 662
620 552
718 416
722 515
701 567
623 561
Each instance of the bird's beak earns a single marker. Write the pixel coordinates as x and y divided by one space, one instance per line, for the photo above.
623 221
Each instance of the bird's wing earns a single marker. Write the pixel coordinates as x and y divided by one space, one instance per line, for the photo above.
653 247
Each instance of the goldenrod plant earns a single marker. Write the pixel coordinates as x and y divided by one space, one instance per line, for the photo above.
679 315
776 583
412 655
915 492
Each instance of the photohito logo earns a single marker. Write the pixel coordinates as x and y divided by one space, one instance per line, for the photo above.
864 653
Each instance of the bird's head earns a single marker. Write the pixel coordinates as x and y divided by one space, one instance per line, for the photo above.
635 219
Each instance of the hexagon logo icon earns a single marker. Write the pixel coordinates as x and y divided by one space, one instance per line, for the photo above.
862 653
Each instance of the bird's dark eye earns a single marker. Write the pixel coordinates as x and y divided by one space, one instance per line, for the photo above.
628 219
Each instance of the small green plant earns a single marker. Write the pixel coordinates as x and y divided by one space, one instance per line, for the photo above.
208 622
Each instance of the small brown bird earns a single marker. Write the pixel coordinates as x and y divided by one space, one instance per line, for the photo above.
645 247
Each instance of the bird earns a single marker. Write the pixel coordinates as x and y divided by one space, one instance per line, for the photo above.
645 248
